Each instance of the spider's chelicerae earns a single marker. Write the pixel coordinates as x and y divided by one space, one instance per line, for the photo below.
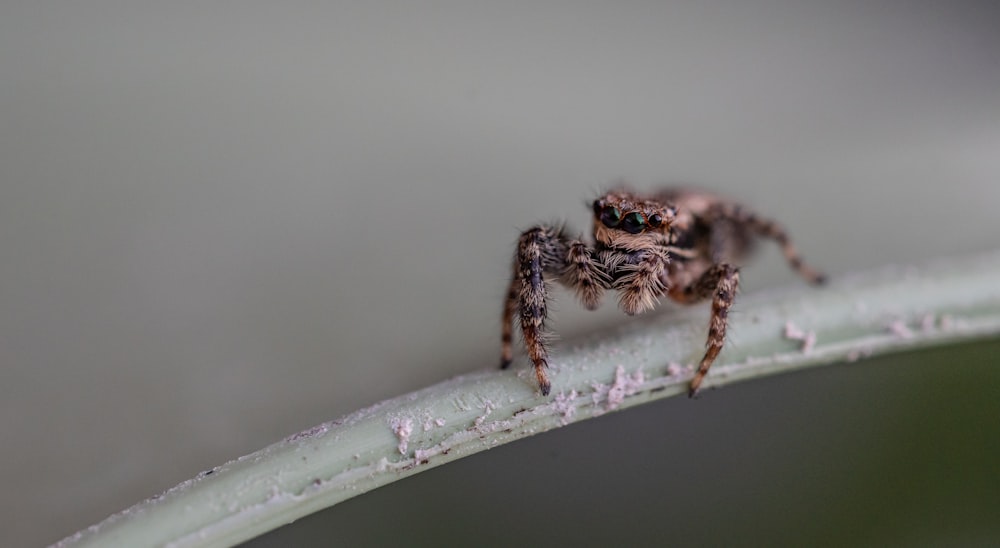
684 244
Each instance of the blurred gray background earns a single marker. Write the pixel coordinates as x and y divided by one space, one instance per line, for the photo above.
223 223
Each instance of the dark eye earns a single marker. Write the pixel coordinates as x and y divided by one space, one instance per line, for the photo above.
655 220
634 223
597 207
611 216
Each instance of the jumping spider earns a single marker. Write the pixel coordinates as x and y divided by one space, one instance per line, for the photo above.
684 244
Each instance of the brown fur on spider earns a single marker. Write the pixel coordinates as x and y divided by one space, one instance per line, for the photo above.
684 244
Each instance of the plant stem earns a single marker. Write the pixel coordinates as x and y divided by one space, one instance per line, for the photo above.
855 317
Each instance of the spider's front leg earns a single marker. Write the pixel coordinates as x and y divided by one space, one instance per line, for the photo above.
643 284
719 282
584 273
545 251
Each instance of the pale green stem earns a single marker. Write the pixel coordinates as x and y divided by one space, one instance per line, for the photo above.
647 359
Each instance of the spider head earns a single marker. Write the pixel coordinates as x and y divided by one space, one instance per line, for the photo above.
619 217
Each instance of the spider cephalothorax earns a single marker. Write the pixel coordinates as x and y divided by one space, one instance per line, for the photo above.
679 243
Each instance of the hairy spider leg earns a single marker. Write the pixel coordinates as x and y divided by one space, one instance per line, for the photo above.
771 229
539 249
642 286
720 282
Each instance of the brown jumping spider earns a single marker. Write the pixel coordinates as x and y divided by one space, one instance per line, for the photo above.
684 244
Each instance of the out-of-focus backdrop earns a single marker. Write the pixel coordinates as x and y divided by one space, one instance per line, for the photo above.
222 223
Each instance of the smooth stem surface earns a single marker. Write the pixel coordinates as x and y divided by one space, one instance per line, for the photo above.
855 317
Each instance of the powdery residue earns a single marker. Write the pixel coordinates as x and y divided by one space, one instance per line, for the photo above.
625 385
927 323
674 369
488 407
431 422
402 428
899 329
564 405
946 322
600 392
855 355
807 338
310 433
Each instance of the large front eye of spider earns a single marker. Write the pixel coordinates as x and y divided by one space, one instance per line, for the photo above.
611 216
634 223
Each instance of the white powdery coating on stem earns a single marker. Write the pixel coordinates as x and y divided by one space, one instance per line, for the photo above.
899 329
857 354
600 392
927 323
402 428
488 407
564 406
947 322
430 423
808 338
625 385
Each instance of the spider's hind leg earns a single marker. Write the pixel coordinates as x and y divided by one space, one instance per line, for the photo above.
771 229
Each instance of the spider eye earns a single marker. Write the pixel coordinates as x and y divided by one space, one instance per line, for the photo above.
634 223
597 207
611 216
655 220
